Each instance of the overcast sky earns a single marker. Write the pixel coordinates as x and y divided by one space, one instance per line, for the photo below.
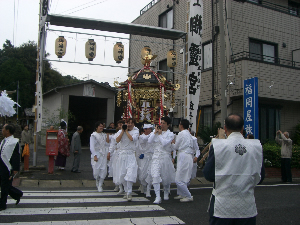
19 24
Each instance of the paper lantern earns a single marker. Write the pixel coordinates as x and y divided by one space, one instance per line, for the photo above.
60 46
90 49
118 52
171 58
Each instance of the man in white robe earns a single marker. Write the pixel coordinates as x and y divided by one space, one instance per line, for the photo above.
145 159
235 165
185 146
127 172
113 155
162 168
98 155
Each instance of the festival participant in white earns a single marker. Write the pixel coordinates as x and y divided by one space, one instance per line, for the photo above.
185 146
98 155
235 165
127 172
162 168
113 156
145 158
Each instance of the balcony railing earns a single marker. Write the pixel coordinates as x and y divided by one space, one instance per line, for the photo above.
264 59
289 10
147 7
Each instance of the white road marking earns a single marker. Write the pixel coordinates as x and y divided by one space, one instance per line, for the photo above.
73 194
73 200
78 210
124 221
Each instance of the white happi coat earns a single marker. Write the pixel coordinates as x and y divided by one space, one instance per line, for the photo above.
185 146
238 164
126 164
162 168
197 154
9 146
97 147
145 163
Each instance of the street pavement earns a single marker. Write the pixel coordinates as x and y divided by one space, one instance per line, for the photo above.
70 198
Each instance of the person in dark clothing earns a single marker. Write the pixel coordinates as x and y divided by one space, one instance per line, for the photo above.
9 165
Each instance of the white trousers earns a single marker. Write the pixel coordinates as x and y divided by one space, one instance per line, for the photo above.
183 190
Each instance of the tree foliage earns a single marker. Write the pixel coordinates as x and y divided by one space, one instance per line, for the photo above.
206 132
19 64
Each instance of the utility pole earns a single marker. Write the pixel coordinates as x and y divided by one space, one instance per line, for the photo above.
44 6
223 65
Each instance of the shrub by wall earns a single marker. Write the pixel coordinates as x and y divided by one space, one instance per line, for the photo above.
272 155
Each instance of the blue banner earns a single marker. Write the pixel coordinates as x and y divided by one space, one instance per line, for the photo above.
251 106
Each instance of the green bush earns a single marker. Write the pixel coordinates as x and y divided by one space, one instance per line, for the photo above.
272 155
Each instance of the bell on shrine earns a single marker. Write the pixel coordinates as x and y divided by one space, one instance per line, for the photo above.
60 46
118 52
171 58
90 49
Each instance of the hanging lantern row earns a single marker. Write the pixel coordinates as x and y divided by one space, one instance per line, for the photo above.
118 52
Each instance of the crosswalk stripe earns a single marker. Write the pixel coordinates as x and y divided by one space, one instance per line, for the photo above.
74 200
65 194
124 221
78 210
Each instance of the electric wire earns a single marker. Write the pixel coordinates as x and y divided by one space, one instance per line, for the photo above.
87 7
78 6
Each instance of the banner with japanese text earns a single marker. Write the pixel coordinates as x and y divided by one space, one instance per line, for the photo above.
194 63
251 106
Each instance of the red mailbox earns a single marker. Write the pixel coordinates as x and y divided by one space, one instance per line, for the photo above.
51 148
51 142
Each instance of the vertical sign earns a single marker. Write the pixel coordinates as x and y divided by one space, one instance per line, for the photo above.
251 106
194 63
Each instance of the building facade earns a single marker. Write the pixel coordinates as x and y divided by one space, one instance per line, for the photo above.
262 39
80 104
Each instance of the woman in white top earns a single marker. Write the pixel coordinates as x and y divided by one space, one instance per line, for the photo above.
98 155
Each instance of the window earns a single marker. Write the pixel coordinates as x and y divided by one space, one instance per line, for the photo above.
206 116
207 56
166 19
294 8
263 51
269 121
162 66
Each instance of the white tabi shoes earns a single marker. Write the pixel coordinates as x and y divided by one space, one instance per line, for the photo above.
186 199
129 197
178 197
121 192
116 188
157 200
100 189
